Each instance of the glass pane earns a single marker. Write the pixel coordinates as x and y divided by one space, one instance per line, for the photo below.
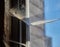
20 5
15 31
18 32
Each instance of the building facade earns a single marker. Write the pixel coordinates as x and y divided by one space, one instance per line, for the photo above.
18 27
48 42
37 32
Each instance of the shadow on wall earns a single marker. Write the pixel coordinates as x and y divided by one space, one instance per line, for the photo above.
1 22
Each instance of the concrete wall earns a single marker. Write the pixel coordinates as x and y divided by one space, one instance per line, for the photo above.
37 33
7 21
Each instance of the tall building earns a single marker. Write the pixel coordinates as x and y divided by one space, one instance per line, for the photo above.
19 23
48 42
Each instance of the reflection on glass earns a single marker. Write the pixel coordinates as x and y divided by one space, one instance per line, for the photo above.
18 4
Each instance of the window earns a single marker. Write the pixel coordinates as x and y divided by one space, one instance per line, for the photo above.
18 27
18 32
19 4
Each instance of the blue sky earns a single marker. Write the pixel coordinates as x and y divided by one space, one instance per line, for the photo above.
52 11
